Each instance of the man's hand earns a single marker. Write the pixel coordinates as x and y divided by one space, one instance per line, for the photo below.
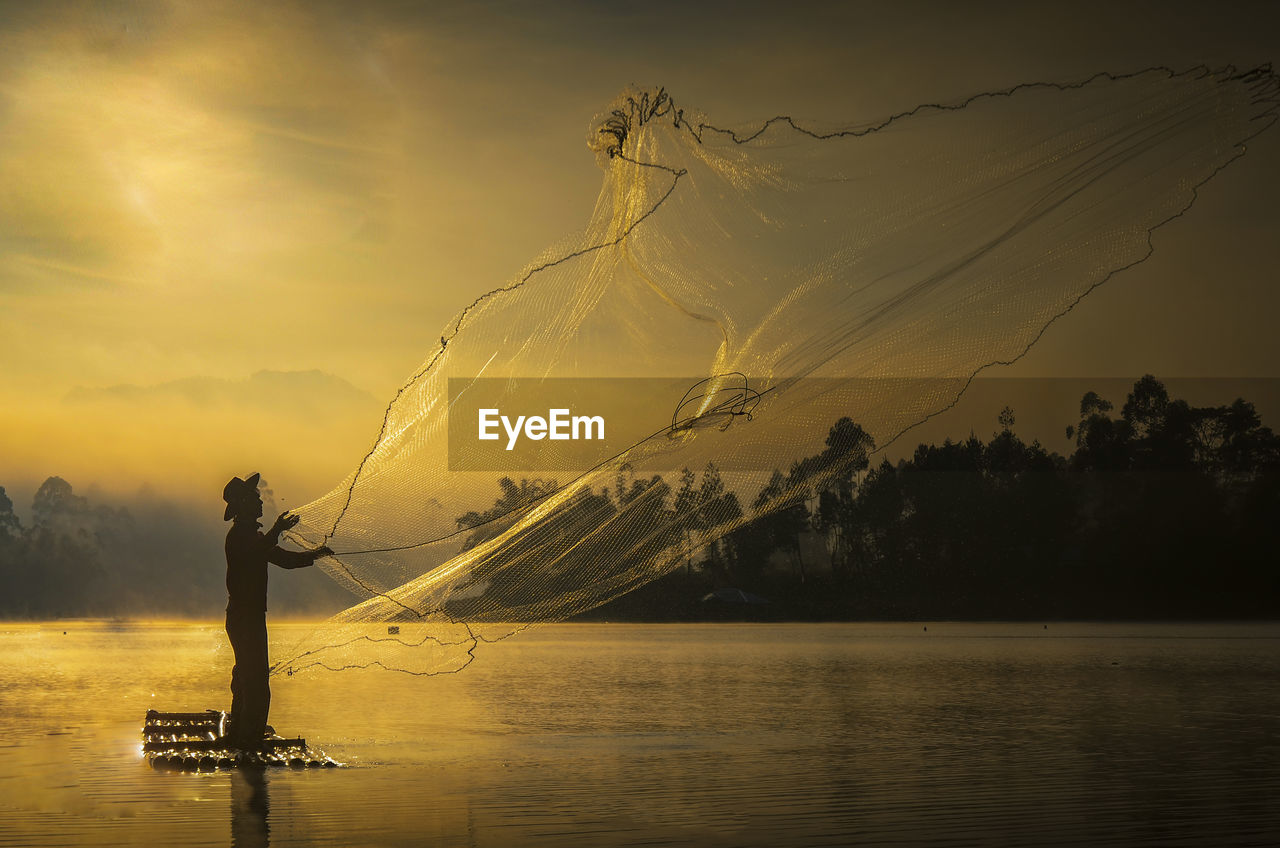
320 553
286 521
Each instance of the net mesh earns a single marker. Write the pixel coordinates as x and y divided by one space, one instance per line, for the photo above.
895 260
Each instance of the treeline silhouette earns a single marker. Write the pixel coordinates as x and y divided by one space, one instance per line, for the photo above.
1164 511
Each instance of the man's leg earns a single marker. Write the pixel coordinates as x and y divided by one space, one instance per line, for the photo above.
236 636
250 694
257 693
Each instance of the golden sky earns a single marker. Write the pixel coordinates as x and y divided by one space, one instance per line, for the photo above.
194 193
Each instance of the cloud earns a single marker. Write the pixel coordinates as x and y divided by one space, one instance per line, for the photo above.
140 143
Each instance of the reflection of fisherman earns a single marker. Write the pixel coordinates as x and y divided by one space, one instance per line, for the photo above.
248 552
249 809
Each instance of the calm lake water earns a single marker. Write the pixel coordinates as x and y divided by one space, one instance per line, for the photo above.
775 735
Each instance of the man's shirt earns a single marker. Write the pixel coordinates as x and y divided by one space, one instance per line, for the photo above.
248 552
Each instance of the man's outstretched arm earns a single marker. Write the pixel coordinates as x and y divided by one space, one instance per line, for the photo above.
296 559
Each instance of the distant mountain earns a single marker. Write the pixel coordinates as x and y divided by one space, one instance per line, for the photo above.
307 391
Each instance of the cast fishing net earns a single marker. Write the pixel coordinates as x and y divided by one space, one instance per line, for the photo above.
804 274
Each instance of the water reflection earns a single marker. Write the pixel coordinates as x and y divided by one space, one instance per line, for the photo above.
758 735
249 805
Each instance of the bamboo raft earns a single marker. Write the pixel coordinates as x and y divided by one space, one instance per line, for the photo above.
194 742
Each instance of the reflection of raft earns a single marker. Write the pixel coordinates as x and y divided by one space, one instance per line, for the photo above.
194 742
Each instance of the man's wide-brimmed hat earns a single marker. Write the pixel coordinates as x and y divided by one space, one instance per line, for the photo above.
239 493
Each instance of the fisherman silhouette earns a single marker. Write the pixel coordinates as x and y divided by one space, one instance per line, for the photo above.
248 552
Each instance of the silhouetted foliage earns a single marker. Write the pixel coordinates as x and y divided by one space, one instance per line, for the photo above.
78 558
10 527
506 509
1165 510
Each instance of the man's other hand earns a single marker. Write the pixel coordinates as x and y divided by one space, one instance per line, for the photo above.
286 521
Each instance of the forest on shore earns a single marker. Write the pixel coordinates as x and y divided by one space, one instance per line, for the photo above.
77 558
1163 510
